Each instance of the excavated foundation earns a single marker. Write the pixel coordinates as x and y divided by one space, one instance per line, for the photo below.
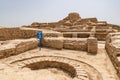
76 70
53 64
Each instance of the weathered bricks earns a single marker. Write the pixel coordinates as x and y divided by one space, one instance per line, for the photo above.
92 45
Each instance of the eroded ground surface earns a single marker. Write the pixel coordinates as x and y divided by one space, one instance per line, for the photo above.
93 64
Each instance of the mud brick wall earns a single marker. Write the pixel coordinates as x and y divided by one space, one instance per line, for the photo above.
17 33
75 44
101 36
52 34
76 34
17 47
56 43
83 44
67 43
113 49
92 45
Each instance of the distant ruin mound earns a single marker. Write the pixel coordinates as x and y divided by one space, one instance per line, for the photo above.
73 22
71 18
75 19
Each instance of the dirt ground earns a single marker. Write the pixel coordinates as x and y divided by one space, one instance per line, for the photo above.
100 62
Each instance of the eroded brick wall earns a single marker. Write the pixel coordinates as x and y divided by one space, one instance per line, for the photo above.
75 44
16 33
14 47
113 49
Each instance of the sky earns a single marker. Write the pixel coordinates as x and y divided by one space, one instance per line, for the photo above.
15 13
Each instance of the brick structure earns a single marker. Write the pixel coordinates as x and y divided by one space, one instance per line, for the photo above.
92 45
113 49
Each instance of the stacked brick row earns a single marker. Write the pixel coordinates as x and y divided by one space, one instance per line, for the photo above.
113 49
15 47
83 44
21 33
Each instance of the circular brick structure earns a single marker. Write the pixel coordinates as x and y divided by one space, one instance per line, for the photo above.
71 67
53 64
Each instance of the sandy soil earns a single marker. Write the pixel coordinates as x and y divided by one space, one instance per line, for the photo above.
100 62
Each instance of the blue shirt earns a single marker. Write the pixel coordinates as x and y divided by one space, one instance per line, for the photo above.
39 34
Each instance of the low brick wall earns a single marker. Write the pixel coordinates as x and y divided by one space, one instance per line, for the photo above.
15 33
56 43
15 47
101 36
76 34
25 46
24 33
67 43
75 44
83 44
113 49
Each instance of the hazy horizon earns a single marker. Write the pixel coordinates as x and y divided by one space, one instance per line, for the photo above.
14 13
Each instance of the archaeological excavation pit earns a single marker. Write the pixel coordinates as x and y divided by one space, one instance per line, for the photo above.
62 66
53 64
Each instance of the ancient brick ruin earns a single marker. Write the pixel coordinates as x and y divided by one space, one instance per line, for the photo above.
113 49
82 48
